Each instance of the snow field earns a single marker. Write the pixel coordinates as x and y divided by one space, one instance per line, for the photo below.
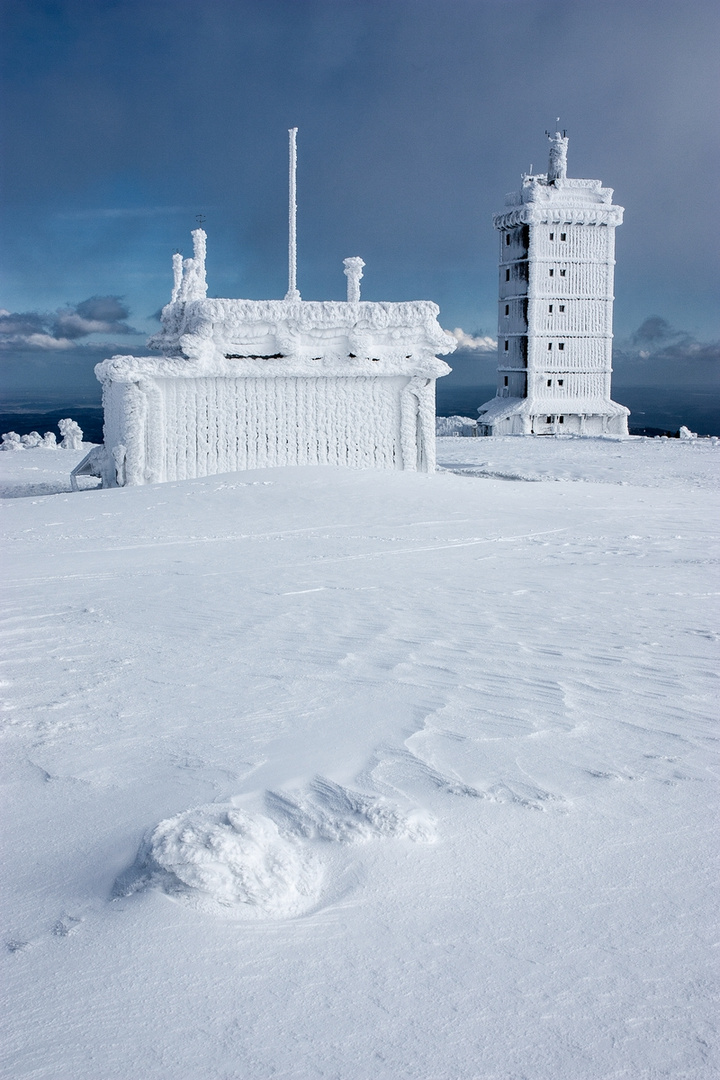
320 773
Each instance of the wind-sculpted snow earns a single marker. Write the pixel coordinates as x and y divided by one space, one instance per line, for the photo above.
329 811
221 858
226 860
426 767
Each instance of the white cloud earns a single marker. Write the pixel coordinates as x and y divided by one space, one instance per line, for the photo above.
478 343
42 341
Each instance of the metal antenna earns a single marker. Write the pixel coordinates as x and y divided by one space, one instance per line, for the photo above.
292 293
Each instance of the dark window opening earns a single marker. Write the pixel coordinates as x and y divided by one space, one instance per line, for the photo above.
561 346
561 382
507 309
561 420
563 273
507 345
507 238
552 273
549 345
548 419
552 235
563 236
550 309
561 307
549 382
506 380
507 275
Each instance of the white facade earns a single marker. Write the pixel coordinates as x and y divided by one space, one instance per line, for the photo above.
557 258
245 384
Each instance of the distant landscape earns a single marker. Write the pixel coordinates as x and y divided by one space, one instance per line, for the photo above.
653 410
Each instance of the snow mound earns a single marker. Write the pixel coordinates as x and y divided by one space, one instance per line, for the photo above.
222 859
332 812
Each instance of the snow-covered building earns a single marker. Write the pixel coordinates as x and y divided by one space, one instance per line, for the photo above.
557 258
246 384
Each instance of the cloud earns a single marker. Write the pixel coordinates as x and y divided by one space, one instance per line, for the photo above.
476 342
63 328
658 341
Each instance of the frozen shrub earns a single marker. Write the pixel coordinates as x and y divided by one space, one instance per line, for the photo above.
32 440
11 441
71 435
49 441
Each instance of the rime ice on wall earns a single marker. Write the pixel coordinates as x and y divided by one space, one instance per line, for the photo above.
248 384
557 258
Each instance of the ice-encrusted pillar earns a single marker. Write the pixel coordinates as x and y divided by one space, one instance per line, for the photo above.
557 166
353 272
177 263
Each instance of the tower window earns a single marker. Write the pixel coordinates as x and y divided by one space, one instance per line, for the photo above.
507 238
561 420
507 309
561 382
506 380
507 275
549 382
549 345
507 345
563 273
550 309
563 236
561 307
561 346
551 272
548 419
552 235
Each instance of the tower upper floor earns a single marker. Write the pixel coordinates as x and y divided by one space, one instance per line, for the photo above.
553 197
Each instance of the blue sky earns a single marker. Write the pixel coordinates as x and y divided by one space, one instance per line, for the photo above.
122 120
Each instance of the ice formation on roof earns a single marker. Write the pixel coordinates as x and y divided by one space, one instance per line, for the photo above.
557 166
189 275
353 272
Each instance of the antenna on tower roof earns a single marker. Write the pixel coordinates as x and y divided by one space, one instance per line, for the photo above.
292 293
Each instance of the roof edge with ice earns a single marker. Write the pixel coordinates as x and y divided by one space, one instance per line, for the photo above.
500 408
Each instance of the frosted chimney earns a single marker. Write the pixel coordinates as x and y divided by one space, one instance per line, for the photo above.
557 166
353 271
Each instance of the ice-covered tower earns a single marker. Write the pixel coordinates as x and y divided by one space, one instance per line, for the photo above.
557 257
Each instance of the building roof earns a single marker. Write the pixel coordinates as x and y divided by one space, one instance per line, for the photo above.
500 408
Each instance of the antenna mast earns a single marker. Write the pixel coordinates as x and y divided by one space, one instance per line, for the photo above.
292 293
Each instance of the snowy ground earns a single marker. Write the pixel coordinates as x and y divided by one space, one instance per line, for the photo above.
357 775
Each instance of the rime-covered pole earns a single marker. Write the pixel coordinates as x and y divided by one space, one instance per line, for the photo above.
177 275
292 293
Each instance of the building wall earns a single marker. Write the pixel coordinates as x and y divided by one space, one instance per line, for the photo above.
180 428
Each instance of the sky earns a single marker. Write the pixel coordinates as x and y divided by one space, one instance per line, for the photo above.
123 120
